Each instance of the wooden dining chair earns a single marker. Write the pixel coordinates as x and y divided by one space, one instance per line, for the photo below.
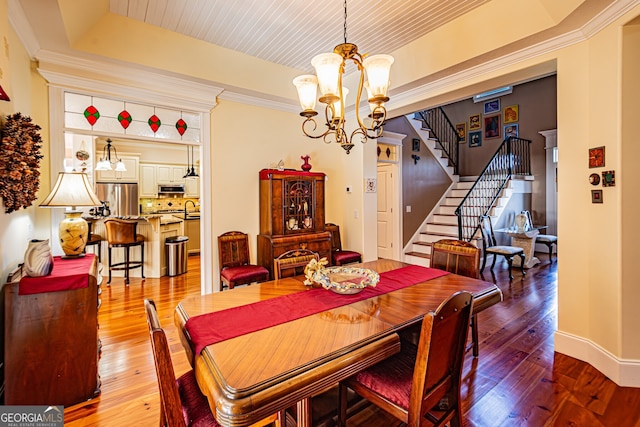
292 262
463 258
181 401
233 260
338 255
420 383
546 239
490 246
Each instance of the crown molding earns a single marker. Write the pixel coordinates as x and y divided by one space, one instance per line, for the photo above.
259 101
126 81
20 24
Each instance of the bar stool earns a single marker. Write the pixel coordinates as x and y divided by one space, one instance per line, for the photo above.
94 240
122 234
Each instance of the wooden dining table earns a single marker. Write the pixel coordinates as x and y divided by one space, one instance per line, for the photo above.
256 361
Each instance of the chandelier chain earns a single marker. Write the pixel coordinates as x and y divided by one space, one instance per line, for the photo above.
345 21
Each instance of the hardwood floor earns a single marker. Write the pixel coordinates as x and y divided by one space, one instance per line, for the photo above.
517 380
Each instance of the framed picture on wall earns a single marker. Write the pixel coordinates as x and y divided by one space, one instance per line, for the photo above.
492 106
511 130
461 129
475 139
492 127
596 196
511 114
474 122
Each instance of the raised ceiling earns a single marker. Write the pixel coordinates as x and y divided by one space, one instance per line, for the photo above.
290 32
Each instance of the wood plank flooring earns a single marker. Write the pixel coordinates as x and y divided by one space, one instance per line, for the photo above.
517 380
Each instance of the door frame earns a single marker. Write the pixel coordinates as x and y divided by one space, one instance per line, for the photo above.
393 141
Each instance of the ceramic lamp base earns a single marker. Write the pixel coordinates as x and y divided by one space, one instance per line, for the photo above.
73 232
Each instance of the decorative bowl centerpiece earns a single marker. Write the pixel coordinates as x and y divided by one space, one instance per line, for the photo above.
341 280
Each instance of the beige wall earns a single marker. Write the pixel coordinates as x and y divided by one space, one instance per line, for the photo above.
27 91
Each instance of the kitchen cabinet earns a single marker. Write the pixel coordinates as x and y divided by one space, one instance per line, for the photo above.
192 187
192 231
291 215
148 183
170 174
130 175
51 337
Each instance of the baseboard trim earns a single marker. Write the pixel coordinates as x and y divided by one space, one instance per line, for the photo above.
624 372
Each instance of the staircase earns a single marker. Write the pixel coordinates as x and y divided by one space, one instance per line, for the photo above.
457 213
442 223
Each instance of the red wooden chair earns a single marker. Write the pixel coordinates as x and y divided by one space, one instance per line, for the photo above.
233 256
420 383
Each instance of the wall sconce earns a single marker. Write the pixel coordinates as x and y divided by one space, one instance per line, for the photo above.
415 158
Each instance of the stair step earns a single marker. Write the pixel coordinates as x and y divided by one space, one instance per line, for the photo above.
418 254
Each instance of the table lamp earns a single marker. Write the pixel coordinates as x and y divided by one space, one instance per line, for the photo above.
72 189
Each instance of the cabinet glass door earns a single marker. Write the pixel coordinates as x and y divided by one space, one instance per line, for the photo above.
298 206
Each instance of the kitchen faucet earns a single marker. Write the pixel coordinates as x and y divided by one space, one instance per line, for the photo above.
185 206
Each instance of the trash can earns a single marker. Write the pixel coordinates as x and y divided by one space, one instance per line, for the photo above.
176 248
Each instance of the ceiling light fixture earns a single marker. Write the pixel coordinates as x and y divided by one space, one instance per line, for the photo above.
105 162
330 69
191 173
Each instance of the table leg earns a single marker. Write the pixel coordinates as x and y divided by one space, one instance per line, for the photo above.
528 244
304 412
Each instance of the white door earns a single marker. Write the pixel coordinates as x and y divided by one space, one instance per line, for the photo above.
388 245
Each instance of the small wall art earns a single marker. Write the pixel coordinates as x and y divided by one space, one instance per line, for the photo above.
608 178
492 127
511 114
594 179
461 128
370 185
596 157
474 122
475 139
492 106
415 144
510 130
596 196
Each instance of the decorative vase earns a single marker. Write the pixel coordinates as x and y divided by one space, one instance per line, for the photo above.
521 221
306 166
38 260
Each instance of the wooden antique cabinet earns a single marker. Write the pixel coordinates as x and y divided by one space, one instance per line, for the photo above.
51 345
291 215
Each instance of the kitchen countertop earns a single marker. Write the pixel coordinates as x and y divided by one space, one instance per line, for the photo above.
189 216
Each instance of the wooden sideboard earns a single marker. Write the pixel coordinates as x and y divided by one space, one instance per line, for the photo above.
291 215
51 346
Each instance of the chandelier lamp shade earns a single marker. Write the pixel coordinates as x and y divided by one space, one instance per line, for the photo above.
330 68
72 190
105 162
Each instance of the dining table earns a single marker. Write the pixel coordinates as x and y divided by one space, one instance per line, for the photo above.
260 349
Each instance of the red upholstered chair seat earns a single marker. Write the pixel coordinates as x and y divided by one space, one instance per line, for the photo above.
195 407
392 378
245 273
345 257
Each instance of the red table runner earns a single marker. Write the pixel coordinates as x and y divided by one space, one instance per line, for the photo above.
67 274
211 328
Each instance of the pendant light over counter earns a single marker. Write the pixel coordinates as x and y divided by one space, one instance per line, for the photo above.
191 171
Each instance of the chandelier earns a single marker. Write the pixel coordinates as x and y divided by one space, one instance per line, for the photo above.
329 69
105 162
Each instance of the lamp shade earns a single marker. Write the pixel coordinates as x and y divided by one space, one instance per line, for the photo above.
378 68
307 86
327 67
70 190
337 106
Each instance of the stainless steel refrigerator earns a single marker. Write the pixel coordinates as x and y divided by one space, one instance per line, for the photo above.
122 197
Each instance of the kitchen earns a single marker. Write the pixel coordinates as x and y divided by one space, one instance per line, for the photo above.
156 183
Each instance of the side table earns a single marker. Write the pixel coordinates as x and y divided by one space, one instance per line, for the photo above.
527 241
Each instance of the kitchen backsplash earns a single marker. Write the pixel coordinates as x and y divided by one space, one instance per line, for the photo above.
148 206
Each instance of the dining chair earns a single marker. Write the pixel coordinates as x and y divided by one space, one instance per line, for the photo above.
292 262
123 234
233 259
546 239
338 255
463 258
420 383
490 246
181 401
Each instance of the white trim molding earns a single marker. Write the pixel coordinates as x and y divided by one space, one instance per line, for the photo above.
623 372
